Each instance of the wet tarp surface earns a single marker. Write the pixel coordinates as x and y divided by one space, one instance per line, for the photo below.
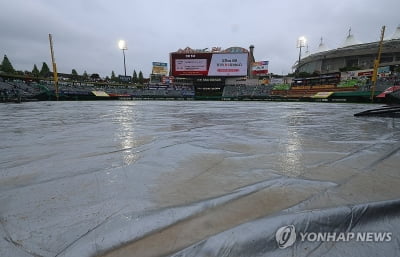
155 178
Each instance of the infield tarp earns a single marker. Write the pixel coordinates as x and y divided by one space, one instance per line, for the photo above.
192 178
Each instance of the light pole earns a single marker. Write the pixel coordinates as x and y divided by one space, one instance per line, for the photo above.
123 47
301 42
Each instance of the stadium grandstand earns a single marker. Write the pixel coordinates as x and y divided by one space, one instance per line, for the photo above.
351 55
345 73
17 90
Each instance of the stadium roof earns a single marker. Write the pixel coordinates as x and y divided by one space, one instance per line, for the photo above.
362 48
353 47
396 34
322 47
351 40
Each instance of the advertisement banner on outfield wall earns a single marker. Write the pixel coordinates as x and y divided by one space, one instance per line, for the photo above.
260 68
160 68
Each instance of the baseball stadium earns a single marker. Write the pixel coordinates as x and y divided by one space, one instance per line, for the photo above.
343 74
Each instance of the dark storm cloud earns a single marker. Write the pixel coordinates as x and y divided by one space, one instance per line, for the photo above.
86 32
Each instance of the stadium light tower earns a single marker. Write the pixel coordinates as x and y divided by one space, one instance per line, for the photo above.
123 47
301 42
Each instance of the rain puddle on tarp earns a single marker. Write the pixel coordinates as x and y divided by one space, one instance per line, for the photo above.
191 178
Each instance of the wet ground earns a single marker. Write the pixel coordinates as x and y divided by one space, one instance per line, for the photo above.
158 178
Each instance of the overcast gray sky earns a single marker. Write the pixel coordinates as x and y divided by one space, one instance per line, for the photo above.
86 32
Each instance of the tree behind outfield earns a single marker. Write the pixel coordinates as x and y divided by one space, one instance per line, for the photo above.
44 71
74 74
140 79
134 77
6 65
85 76
113 77
35 71
95 77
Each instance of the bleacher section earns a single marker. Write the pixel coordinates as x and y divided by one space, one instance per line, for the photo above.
309 91
246 91
18 90
350 83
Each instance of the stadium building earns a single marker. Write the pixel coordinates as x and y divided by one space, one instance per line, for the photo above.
208 71
351 55
347 72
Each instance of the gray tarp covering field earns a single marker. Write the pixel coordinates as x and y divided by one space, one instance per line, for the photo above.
184 178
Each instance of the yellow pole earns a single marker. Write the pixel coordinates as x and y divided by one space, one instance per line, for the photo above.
376 65
54 66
